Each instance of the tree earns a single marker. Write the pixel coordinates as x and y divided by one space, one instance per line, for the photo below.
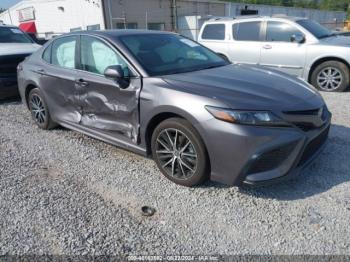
334 5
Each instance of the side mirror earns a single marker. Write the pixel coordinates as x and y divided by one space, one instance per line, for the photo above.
116 73
298 38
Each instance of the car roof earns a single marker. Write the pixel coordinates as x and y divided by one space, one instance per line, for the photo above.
252 17
120 32
8 26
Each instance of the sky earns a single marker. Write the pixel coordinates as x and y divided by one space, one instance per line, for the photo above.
7 3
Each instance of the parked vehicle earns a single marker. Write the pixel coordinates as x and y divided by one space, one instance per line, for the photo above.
160 94
39 41
297 46
15 46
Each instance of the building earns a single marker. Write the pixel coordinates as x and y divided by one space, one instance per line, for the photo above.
48 18
53 17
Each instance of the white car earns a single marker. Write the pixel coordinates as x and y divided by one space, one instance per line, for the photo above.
297 46
15 46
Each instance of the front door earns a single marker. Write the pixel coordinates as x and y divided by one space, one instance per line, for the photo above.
105 106
279 52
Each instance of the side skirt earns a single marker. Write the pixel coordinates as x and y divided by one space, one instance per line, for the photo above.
106 138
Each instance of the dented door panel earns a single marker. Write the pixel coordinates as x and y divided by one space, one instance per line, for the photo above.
109 108
62 95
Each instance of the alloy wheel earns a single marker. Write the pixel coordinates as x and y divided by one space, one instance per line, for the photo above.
329 79
176 154
38 109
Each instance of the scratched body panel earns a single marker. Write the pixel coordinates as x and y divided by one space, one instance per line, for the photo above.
107 107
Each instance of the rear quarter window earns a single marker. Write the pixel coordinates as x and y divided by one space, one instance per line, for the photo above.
214 32
47 54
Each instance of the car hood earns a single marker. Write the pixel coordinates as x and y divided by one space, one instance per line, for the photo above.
17 48
247 87
336 41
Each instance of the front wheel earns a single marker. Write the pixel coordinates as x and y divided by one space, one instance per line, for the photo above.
180 153
331 76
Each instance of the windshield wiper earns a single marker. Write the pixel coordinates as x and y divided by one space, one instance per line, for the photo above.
325 36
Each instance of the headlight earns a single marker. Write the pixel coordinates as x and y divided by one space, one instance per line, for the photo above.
258 118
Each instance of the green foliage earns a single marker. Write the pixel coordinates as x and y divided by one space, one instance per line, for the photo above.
334 5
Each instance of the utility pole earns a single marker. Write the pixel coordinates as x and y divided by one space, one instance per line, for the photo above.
173 6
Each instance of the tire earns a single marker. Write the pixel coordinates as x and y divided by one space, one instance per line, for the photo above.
189 163
37 102
339 77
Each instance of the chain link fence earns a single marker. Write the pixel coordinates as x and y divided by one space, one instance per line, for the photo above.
187 17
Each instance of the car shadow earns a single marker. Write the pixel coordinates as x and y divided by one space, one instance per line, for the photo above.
330 169
11 100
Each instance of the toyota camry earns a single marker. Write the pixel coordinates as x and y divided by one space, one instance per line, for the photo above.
164 96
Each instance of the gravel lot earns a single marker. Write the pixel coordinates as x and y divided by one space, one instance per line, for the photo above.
64 193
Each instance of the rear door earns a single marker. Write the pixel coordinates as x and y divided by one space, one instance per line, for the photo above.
105 106
246 42
279 52
57 79
214 37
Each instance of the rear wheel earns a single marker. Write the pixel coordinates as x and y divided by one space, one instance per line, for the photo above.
180 152
331 76
39 110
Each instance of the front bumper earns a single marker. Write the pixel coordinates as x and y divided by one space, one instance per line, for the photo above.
260 155
8 87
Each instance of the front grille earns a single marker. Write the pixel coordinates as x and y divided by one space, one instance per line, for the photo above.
8 63
313 112
308 120
314 146
271 159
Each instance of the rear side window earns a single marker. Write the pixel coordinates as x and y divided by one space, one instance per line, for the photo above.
63 52
47 54
214 32
280 32
247 31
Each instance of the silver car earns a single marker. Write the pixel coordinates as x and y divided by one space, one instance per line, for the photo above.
297 46
165 96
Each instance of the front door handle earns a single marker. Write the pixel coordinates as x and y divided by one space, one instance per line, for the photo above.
81 82
267 47
40 71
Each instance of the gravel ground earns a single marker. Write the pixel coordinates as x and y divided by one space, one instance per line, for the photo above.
64 193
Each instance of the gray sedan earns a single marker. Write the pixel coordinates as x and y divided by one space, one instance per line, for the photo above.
161 95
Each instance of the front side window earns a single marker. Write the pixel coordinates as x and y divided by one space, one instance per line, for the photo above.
214 32
280 32
247 31
13 35
96 56
63 52
162 54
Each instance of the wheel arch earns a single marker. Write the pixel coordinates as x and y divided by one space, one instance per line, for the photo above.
325 59
29 87
160 116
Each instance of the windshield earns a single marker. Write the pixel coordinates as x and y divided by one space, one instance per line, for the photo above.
315 28
13 35
163 54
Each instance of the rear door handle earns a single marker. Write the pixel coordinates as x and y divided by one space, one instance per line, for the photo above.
267 47
81 82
